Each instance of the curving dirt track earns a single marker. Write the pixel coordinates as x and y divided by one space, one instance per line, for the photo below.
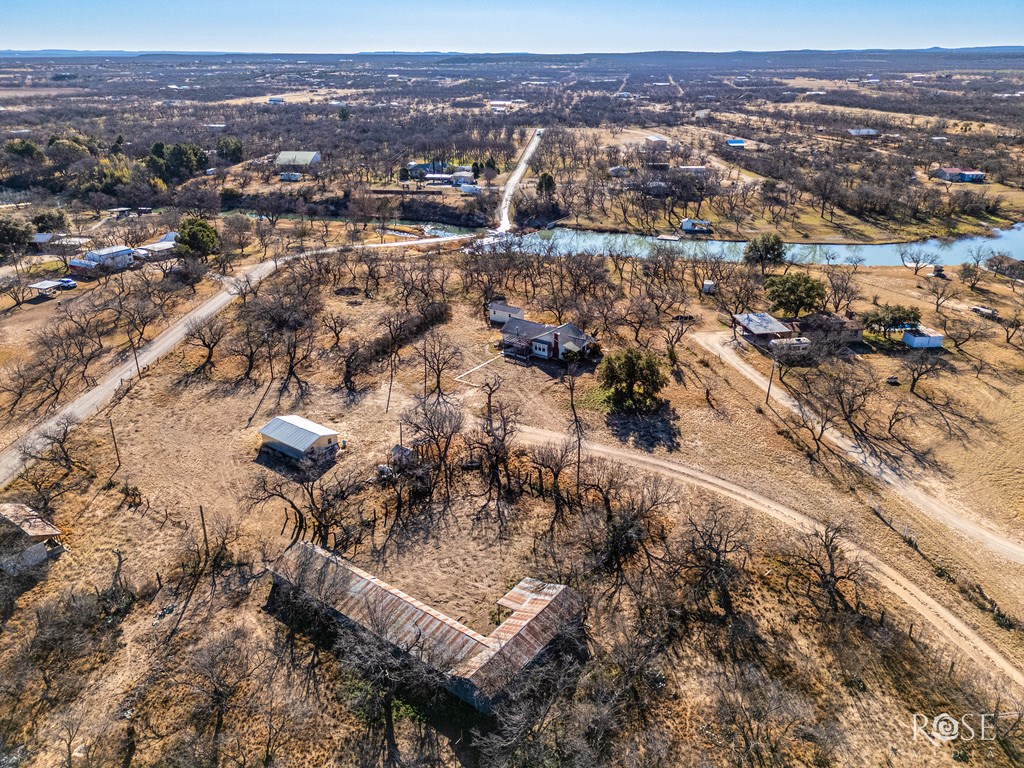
948 624
720 345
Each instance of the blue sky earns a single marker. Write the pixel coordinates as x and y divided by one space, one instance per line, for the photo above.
542 26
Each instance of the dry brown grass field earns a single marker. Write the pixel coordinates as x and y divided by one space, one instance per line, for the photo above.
188 441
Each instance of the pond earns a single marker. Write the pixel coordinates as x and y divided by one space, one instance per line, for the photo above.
567 240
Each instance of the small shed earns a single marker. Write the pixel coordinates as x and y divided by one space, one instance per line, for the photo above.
696 226
26 539
735 143
656 142
297 437
922 338
500 312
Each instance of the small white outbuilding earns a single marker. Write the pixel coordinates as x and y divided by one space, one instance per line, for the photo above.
500 312
296 437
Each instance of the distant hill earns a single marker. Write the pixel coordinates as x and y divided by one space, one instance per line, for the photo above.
63 52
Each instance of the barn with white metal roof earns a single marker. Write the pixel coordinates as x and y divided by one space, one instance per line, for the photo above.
295 436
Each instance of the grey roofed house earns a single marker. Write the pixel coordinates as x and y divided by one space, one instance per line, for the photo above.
295 436
696 226
761 324
544 341
477 668
520 328
298 159
867 132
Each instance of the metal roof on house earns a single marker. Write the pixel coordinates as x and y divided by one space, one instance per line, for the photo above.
568 334
297 158
501 306
296 432
540 612
112 250
527 329
760 323
159 245
28 520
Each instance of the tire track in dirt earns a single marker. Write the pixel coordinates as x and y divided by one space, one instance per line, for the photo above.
995 541
955 630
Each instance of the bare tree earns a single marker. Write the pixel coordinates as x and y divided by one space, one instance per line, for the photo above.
916 258
439 356
206 334
942 291
832 579
717 541
921 363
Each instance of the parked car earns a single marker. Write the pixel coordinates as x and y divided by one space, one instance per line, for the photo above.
67 283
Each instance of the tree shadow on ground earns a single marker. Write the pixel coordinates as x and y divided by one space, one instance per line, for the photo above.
298 471
658 429
411 685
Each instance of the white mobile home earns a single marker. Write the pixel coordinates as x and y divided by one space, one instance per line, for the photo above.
112 258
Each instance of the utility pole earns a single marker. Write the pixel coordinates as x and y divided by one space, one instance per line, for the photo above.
135 354
270 355
113 437
770 377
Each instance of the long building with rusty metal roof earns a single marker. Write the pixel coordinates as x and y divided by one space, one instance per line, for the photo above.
478 668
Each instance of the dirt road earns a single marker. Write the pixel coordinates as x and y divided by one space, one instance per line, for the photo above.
949 625
722 346
514 179
93 400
